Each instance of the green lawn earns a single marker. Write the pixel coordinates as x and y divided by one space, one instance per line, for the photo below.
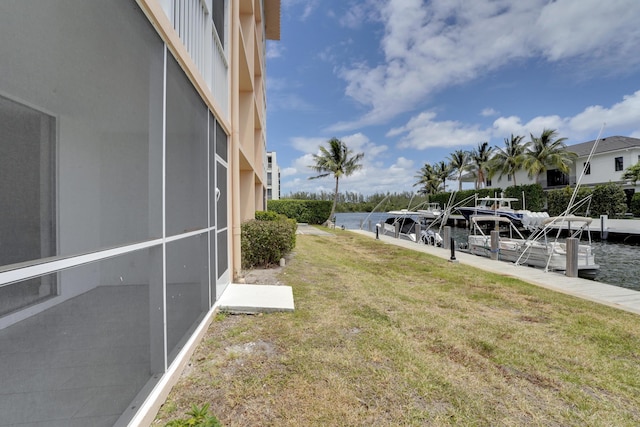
383 336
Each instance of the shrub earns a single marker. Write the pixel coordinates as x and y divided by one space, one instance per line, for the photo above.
558 200
533 194
308 211
268 216
609 199
635 204
263 243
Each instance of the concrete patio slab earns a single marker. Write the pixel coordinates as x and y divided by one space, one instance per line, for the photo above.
252 299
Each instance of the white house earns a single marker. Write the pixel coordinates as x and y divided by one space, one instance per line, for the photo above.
611 157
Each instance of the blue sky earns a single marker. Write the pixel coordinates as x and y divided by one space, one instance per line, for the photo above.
407 82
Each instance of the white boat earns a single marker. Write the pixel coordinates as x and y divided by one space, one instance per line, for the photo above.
406 222
501 206
432 211
539 250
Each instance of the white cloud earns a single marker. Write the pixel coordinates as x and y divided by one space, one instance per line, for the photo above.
624 115
307 145
423 131
274 49
372 178
488 112
292 7
361 12
288 172
599 30
356 142
431 46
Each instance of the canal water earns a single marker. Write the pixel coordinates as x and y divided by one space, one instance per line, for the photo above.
619 263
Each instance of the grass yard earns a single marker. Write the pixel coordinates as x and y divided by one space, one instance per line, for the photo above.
384 336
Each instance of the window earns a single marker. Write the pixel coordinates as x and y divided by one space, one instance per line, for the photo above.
488 183
218 19
509 177
268 178
586 167
556 177
619 164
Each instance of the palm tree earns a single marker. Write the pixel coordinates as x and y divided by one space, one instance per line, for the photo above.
428 180
442 170
547 152
632 173
337 161
460 162
509 160
480 157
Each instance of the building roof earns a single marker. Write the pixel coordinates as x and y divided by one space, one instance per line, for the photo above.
272 19
610 143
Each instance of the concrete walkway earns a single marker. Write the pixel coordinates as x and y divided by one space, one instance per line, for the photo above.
304 228
251 299
614 296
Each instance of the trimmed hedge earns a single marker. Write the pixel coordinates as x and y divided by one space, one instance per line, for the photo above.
559 200
264 242
608 199
635 204
308 211
534 196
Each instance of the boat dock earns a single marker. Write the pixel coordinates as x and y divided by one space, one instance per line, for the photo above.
613 296
603 228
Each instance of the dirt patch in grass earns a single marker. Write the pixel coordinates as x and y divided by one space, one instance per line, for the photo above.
386 336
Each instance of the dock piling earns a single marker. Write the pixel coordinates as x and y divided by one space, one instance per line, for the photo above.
572 257
495 239
446 236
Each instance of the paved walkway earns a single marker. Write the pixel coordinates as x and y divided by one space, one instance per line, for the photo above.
304 228
614 296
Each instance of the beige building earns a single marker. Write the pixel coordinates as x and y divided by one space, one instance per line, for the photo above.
132 147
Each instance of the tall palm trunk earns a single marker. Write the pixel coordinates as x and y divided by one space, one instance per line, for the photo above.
335 201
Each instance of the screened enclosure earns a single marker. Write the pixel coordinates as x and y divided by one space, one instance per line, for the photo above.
113 219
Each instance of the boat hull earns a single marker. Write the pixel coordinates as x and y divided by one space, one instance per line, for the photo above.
548 256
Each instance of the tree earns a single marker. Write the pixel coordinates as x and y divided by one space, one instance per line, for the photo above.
608 199
546 152
428 180
509 160
632 173
460 161
480 158
443 172
338 161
